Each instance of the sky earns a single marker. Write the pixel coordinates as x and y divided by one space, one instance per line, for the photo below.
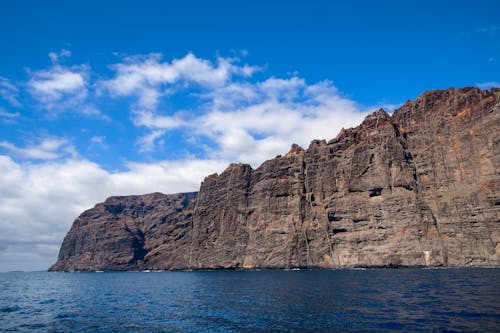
101 98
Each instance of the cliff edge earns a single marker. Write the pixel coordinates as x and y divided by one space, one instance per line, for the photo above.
418 188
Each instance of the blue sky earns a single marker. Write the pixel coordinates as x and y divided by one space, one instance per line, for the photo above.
123 97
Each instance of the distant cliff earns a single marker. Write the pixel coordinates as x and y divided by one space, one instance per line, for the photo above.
418 188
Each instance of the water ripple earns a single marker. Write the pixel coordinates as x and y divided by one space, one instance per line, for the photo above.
412 300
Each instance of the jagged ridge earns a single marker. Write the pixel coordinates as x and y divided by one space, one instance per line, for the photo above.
418 188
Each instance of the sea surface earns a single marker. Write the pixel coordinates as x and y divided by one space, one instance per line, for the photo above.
371 300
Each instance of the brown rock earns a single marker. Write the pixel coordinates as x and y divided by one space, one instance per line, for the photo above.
419 188
112 235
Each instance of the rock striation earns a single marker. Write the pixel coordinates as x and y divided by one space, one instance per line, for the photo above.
418 188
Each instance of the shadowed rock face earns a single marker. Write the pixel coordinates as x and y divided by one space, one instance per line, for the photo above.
420 188
120 232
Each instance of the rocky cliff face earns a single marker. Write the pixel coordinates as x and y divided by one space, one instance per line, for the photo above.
118 233
418 188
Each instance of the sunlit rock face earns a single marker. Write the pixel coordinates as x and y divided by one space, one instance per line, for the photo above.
418 188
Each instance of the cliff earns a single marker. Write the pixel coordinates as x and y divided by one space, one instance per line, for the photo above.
418 188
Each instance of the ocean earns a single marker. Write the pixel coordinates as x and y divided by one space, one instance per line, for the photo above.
369 300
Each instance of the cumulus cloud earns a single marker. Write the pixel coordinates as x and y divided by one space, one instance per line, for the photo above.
245 120
147 77
251 122
38 202
63 88
59 86
53 83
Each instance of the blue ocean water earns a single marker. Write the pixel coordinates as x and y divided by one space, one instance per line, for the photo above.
372 300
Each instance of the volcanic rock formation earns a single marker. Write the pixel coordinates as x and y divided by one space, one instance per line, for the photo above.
418 188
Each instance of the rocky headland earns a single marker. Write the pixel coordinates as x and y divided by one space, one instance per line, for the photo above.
418 188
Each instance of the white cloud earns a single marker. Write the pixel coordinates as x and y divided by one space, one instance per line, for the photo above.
146 77
251 122
38 202
9 92
165 176
8 115
99 142
54 83
247 120
59 87
487 85
492 29
56 56
150 119
49 148
488 31
147 142
98 139
63 88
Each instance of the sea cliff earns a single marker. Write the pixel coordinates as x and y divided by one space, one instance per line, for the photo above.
418 188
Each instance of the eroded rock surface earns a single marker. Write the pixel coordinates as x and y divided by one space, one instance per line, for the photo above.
418 188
